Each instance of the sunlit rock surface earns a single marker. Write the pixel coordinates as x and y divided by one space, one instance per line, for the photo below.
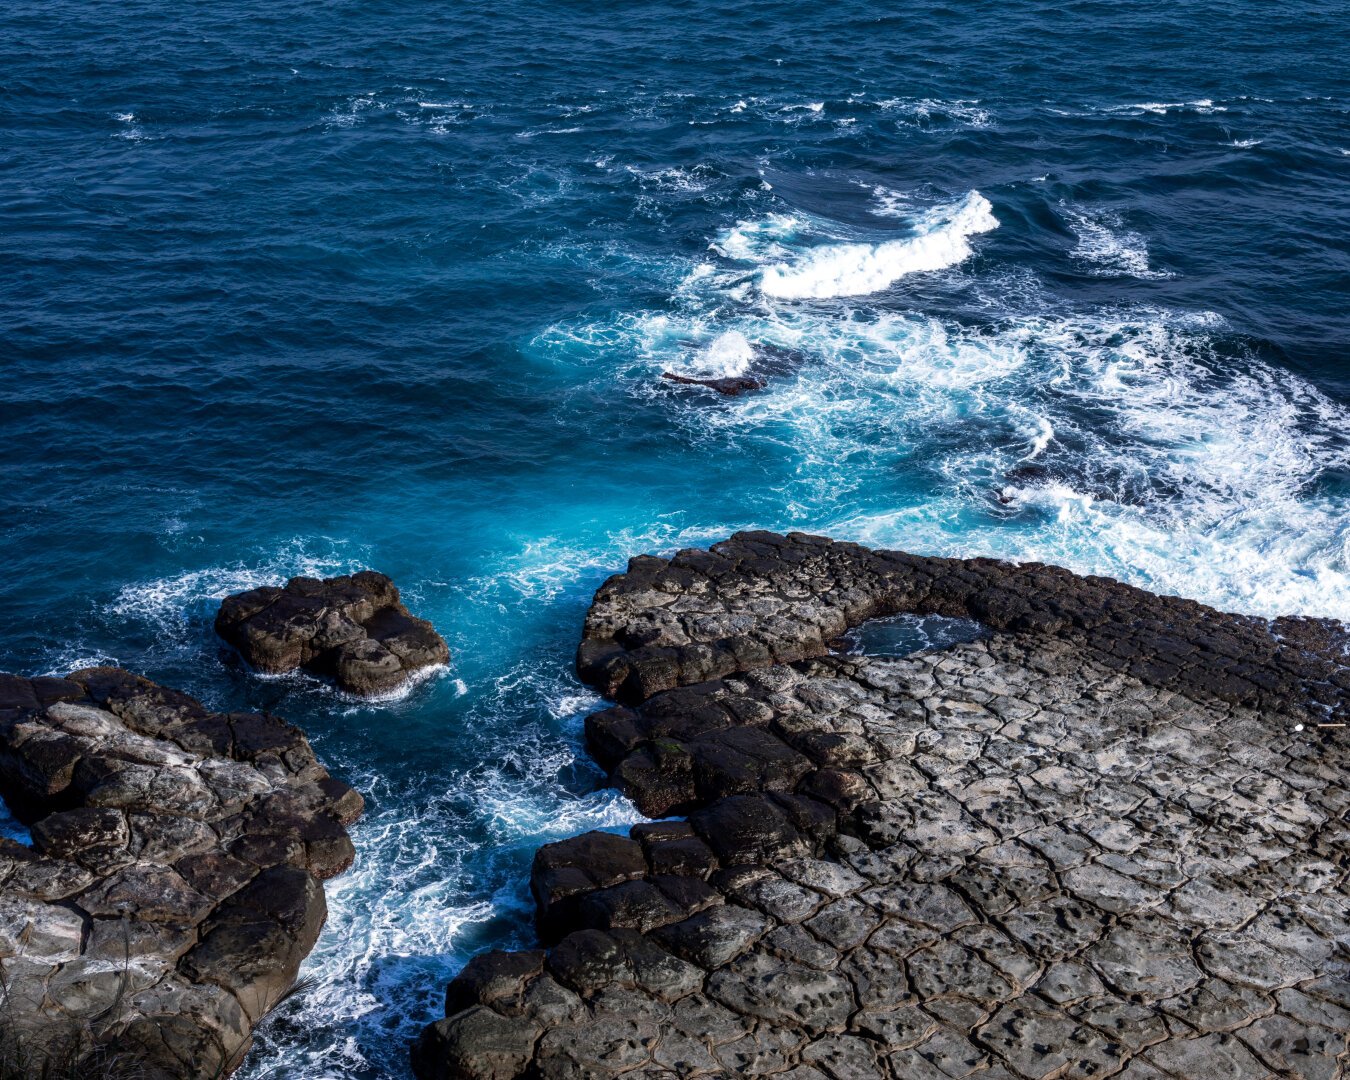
353 629
1109 839
173 883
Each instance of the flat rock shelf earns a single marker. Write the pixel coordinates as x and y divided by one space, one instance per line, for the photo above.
173 883
1109 839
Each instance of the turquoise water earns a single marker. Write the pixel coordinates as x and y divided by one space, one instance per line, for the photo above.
306 288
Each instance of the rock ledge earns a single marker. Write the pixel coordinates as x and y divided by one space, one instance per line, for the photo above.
1096 843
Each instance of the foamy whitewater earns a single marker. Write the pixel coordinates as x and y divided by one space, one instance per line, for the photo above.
396 288
942 239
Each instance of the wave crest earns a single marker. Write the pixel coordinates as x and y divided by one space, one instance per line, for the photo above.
942 240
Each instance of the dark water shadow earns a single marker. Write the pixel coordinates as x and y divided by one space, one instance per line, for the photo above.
905 635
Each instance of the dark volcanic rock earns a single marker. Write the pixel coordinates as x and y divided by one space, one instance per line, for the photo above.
760 599
767 361
731 385
172 888
353 628
1107 840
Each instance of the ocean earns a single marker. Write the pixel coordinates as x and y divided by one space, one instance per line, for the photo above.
306 288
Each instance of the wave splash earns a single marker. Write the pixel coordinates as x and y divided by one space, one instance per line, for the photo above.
1135 441
414 906
941 239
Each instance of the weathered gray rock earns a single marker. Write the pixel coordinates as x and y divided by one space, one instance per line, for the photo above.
353 629
173 885
760 599
1097 843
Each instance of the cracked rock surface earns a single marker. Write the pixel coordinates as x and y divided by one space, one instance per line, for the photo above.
353 629
173 884
1096 843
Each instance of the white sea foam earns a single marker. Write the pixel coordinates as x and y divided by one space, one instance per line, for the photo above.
407 104
942 240
131 129
923 112
1107 246
400 692
531 133
679 178
1040 438
398 920
1203 106
64 661
545 567
168 604
439 857
762 240
1159 461
890 203
728 355
350 112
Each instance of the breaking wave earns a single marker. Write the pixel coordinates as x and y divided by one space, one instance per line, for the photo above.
941 239
1137 441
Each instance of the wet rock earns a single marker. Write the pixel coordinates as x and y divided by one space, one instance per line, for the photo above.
566 871
730 386
353 629
477 1044
1095 842
133 914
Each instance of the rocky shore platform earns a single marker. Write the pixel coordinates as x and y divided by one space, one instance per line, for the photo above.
173 883
1108 840
353 629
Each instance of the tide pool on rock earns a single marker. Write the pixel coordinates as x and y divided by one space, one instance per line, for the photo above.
303 289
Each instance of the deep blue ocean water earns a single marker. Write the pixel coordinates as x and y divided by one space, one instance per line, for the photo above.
308 287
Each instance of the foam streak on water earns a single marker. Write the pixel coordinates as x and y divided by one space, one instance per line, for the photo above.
1132 441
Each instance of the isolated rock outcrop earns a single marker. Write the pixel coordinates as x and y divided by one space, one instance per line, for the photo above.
727 385
1110 839
353 629
173 883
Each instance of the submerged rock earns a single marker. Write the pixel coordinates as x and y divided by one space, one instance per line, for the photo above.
173 884
353 629
763 361
1106 839
730 386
